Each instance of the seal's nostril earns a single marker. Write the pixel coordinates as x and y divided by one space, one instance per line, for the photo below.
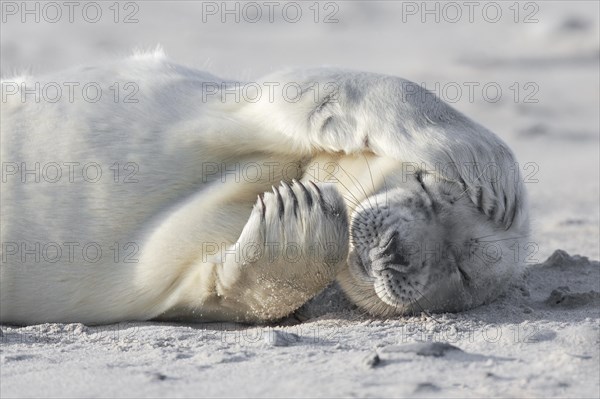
398 259
393 240
393 253
391 248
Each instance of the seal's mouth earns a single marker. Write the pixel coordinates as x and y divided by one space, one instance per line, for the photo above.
388 284
396 297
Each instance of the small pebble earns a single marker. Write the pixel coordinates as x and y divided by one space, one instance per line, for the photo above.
158 376
426 387
372 360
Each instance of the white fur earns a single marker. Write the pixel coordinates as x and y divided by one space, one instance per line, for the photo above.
369 124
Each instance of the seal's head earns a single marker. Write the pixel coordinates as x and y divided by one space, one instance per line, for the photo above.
427 246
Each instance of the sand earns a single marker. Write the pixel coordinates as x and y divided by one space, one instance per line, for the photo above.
540 339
